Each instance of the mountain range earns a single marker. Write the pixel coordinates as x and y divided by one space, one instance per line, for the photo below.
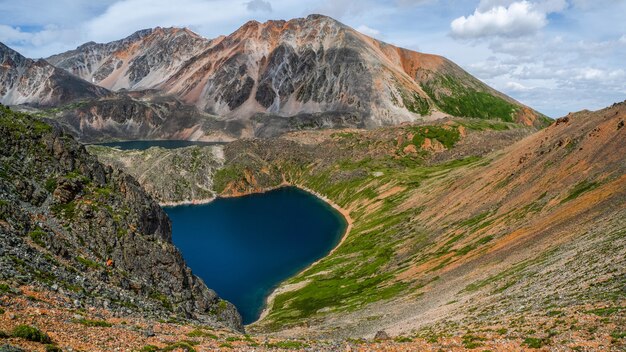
263 80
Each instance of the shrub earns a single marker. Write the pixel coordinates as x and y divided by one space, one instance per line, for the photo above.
472 341
182 345
94 323
287 345
200 333
37 236
31 333
534 342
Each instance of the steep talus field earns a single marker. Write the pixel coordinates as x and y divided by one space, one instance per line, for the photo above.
90 233
280 76
26 81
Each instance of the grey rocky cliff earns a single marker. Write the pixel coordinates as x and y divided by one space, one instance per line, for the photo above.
26 81
73 224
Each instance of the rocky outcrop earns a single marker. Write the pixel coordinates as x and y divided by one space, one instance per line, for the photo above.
25 81
171 176
72 224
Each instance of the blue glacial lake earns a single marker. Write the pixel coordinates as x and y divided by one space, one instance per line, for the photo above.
244 247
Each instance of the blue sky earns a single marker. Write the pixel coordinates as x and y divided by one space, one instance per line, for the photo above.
556 56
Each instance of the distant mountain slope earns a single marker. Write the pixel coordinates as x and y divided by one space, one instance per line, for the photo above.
25 81
305 66
141 61
141 115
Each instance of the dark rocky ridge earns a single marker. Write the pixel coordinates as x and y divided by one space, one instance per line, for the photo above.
91 232
141 115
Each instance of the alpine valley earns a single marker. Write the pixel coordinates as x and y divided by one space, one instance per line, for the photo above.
473 221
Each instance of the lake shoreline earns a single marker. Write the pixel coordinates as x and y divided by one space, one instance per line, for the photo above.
280 288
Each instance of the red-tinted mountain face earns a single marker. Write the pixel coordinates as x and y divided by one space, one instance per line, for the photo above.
312 66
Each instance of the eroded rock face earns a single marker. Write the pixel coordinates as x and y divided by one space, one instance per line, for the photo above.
26 81
115 237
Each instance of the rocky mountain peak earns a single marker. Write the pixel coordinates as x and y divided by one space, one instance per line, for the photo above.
26 81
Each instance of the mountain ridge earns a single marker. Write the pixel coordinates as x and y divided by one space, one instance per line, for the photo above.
36 82
314 65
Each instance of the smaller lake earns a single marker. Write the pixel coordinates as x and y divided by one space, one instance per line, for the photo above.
244 247
167 144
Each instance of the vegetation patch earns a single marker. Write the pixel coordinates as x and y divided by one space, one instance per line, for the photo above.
31 333
4 288
534 342
161 298
460 100
605 312
37 236
53 348
185 346
51 184
580 188
93 323
88 262
448 135
416 104
202 333
288 345
67 211
472 341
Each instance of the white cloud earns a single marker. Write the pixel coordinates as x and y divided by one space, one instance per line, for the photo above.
259 5
595 74
518 19
341 8
10 34
368 31
38 44
516 87
125 17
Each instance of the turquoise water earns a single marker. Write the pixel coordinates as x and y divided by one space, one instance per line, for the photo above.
142 145
244 247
